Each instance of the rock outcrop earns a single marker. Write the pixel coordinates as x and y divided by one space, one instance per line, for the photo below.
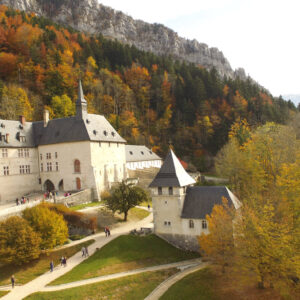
91 17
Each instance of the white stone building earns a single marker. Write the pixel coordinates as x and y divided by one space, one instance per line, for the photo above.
179 208
79 152
141 157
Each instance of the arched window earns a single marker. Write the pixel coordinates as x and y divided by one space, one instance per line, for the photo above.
77 166
204 224
191 223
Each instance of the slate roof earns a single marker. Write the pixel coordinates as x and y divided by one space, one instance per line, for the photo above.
172 174
200 200
139 153
16 130
73 129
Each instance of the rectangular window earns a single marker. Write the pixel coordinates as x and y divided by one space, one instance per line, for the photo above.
41 156
4 153
22 169
56 166
159 190
20 153
48 155
169 223
55 154
22 139
27 169
26 152
42 168
6 170
204 224
170 190
49 167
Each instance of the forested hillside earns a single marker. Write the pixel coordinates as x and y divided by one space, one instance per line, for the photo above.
149 99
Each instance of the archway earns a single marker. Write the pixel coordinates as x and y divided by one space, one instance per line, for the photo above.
78 183
61 186
48 185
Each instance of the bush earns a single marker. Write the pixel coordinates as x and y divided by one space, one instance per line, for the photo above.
50 225
18 242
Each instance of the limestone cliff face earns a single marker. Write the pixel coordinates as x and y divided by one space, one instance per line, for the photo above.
91 17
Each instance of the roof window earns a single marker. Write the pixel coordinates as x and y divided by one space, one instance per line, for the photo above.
151 152
130 152
95 132
2 125
112 133
105 132
142 152
87 121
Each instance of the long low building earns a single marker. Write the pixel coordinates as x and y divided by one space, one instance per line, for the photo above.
141 157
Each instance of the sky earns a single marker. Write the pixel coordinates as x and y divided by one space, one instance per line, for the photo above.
261 36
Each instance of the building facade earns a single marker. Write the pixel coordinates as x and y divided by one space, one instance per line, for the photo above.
68 154
180 208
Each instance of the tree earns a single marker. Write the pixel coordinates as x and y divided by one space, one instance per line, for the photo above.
19 243
218 244
49 224
125 196
62 106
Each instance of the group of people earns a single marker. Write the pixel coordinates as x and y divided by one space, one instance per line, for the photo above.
107 231
84 251
63 262
23 200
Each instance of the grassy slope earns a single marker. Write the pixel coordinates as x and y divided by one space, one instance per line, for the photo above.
82 206
126 253
133 287
3 293
28 272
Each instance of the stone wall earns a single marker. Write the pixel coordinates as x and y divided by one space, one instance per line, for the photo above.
85 196
185 242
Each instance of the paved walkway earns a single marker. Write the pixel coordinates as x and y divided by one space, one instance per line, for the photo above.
38 284
186 264
164 286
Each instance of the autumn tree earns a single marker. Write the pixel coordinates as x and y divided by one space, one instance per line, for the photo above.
62 106
218 244
50 225
19 243
125 196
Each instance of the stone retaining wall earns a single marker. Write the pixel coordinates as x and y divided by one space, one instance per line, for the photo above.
82 197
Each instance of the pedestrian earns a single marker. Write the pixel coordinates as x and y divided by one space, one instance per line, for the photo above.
51 266
86 251
108 231
65 261
62 261
148 206
105 231
12 279
17 201
83 252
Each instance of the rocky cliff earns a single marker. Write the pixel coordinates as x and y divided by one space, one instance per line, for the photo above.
92 17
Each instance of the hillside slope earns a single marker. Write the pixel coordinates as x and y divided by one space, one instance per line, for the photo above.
91 17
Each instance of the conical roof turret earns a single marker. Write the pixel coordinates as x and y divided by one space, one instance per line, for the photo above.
81 104
172 174
80 98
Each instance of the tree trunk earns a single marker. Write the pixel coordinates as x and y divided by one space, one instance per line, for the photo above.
125 215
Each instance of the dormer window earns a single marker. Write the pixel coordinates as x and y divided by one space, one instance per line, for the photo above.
95 132
113 134
142 152
105 132
151 152
130 152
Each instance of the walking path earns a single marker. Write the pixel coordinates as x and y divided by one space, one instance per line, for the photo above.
164 286
186 263
38 284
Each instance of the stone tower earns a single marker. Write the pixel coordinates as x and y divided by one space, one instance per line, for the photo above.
168 191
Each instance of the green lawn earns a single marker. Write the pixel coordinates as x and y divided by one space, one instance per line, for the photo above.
28 272
126 253
134 287
3 293
196 286
82 206
145 203
138 213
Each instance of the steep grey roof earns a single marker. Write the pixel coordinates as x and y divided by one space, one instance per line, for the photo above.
16 131
73 129
139 153
172 173
200 200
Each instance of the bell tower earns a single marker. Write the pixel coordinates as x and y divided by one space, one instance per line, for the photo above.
81 104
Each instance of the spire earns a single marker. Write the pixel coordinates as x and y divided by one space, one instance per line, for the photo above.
81 104
172 173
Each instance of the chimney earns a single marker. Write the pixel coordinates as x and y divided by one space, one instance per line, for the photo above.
7 138
22 120
46 117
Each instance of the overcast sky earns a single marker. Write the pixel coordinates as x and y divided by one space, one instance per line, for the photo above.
262 36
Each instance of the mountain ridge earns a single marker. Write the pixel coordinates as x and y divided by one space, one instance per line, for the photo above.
94 18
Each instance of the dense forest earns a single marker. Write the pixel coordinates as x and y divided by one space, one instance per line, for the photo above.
149 99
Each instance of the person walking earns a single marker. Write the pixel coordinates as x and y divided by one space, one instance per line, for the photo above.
12 279
61 261
108 231
83 252
51 266
86 251
65 261
148 206
105 230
